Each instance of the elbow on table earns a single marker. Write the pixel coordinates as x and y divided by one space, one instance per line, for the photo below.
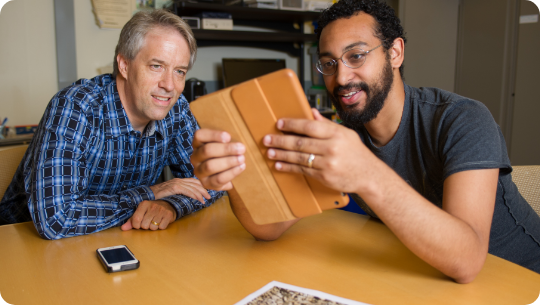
466 272
266 236
52 232
50 236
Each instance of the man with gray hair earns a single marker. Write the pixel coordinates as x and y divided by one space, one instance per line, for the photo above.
102 143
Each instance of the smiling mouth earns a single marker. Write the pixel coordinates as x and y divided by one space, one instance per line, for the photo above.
163 99
350 94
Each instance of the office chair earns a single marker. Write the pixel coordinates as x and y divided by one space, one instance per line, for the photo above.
9 161
527 179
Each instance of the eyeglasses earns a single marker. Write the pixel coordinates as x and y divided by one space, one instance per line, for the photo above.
353 59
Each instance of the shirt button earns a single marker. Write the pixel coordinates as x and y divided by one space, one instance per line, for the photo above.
124 187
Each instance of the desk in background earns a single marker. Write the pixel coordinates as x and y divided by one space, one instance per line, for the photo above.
208 258
18 140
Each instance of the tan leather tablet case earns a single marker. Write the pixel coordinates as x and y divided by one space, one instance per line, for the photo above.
249 111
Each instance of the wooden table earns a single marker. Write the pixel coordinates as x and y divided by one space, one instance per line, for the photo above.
208 258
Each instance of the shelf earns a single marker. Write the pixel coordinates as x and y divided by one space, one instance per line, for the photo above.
245 13
286 28
253 36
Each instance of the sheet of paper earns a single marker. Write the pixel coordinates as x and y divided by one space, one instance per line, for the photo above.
280 293
113 14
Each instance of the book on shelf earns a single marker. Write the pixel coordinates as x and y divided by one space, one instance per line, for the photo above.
264 5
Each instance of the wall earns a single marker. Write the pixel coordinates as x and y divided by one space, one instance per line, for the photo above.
431 28
95 46
90 58
525 141
484 50
28 76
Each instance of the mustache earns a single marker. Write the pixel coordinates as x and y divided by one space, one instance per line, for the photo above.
350 87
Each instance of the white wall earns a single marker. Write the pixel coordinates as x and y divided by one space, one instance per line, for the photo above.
28 77
95 46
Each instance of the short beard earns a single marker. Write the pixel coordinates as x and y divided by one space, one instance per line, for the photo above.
375 98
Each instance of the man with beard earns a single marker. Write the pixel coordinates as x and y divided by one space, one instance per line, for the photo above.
430 164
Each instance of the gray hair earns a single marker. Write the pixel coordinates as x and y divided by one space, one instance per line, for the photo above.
133 34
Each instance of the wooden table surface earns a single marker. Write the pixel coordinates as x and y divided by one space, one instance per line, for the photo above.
208 258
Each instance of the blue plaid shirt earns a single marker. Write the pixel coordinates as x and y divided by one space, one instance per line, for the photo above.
87 169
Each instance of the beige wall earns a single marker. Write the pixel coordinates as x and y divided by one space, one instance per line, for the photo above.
431 28
28 77
95 46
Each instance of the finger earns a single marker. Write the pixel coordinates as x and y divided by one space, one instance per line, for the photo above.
197 192
138 216
164 223
222 181
218 165
216 150
145 213
295 168
127 226
192 192
197 185
296 143
193 187
205 135
203 192
312 128
293 157
155 223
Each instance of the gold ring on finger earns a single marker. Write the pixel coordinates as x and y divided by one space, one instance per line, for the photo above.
310 160
155 223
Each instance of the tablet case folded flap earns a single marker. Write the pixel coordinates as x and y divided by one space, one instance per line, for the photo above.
249 111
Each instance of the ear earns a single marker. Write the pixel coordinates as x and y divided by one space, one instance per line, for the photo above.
123 65
397 53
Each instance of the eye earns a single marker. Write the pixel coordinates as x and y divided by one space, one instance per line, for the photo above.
327 63
355 56
155 67
181 72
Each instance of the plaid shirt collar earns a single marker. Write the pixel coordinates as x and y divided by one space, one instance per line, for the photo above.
116 119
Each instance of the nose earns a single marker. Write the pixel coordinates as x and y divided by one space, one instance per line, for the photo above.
343 74
167 81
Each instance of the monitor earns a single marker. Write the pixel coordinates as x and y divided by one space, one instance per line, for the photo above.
238 70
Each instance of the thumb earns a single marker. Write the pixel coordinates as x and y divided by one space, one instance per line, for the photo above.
317 115
127 226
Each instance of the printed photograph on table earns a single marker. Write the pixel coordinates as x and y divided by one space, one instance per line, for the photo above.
275 293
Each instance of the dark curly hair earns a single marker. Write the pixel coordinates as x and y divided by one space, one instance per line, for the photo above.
388 24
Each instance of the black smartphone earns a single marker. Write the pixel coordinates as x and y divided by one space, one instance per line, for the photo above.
117 258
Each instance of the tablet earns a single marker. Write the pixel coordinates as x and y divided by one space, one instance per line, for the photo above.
248 112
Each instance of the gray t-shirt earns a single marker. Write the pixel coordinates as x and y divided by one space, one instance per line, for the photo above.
442 133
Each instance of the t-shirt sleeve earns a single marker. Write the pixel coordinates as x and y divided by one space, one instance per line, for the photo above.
469 139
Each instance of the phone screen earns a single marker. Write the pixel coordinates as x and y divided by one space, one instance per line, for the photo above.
118 255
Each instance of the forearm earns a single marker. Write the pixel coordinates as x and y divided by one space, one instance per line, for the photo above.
260 232
86 214
185 205
441 239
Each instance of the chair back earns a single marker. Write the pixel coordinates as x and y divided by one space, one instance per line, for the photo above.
527 180
10 157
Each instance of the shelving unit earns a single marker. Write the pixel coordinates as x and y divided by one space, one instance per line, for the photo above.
286 35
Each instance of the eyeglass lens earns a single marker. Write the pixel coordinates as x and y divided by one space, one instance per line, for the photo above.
353 59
